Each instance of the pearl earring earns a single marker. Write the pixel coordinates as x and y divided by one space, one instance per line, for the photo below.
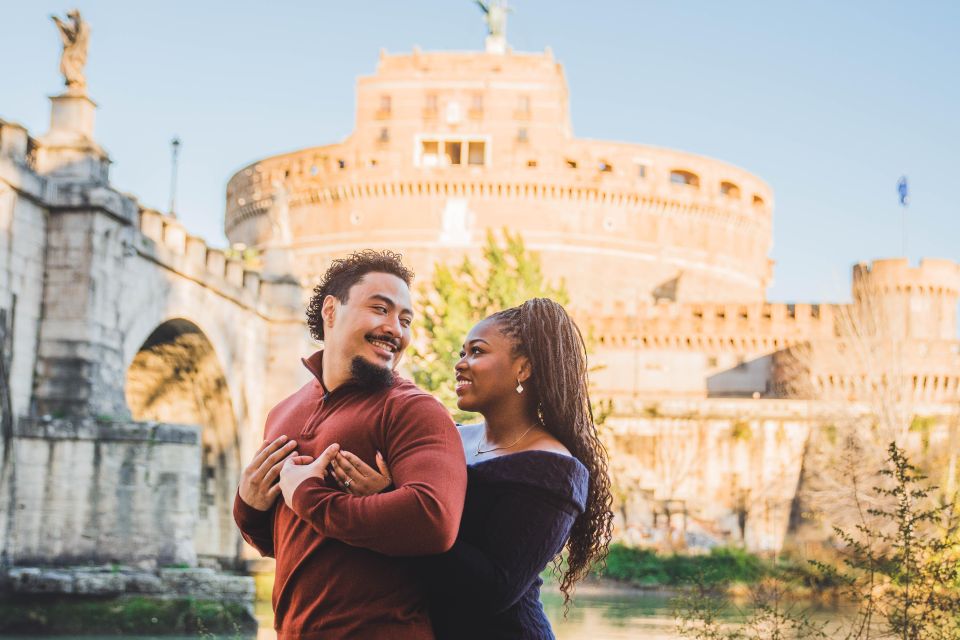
519 387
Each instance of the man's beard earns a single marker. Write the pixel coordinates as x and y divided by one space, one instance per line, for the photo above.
368 375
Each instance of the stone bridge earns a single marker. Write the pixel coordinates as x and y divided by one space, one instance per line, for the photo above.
137 365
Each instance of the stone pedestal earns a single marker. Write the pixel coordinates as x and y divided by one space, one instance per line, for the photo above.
68 149
496 44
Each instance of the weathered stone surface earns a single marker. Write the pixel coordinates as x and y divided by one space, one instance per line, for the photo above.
200 584
90 492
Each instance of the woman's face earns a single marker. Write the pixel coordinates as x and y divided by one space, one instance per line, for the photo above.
487 370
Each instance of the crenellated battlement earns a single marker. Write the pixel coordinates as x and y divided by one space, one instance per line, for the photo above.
709 327
605 176
190 255
933 276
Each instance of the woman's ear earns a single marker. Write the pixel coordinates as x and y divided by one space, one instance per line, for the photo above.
524 370
329 310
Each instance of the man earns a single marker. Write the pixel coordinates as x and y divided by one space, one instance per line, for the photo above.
342 567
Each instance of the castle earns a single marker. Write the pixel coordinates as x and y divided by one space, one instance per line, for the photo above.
138 363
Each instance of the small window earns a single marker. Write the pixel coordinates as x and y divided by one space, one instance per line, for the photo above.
712 361
531 163
431 107
641 171
729 189
314 170
476 105
605 167
523 106
571 164
757 201
342 164
679 176
384 135
451 152
522 135
429 153
476 153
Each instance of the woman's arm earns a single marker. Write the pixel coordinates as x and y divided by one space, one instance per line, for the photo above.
526 529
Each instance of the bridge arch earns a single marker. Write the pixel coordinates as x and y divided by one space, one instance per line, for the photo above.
176 377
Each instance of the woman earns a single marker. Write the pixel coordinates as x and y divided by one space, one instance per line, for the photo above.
537 476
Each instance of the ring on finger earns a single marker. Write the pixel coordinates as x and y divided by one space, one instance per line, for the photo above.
347 483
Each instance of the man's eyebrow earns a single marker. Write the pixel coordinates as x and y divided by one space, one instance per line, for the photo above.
389 301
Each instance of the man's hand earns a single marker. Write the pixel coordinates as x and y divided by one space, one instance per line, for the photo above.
258 487
297 469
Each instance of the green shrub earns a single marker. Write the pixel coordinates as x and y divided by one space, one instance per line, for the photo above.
646 568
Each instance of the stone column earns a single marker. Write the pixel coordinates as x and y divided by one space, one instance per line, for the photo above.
80 368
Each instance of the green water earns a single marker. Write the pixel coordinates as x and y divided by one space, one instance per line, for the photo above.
595 615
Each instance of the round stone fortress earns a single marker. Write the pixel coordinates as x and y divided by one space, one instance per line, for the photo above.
450 145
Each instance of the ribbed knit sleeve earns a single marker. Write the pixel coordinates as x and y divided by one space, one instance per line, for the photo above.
255 526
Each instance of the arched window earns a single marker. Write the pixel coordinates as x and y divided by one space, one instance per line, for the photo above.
729 189
757 201
679 176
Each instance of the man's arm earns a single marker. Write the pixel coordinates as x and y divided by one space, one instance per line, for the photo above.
255 526
422 515
254 504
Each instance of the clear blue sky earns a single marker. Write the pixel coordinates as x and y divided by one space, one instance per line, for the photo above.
829 102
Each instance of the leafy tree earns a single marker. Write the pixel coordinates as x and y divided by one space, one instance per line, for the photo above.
460 296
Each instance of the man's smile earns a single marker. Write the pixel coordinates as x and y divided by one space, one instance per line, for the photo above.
384 343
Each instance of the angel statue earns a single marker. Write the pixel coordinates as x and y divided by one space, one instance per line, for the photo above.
496 17
75 33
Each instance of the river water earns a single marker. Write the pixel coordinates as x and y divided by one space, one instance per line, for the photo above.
596 615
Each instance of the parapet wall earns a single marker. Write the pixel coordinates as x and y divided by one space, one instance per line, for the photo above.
192 257
932 276
707 327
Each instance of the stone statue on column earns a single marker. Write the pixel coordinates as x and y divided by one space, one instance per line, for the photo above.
68 150
75 34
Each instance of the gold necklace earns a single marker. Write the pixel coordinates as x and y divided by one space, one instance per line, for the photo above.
506 447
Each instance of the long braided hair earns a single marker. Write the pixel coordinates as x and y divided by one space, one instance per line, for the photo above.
542 331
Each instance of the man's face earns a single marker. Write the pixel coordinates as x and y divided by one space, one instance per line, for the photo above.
374 323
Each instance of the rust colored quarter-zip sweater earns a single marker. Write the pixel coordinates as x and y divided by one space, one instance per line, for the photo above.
342 568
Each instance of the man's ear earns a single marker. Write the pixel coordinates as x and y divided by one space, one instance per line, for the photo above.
525 369
329 310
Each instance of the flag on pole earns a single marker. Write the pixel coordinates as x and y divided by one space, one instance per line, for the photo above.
903 191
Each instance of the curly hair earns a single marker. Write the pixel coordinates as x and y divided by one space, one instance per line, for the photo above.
346 272
542 331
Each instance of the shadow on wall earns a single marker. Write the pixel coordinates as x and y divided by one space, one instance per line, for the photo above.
749 378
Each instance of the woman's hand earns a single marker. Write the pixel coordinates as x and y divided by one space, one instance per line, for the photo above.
357 477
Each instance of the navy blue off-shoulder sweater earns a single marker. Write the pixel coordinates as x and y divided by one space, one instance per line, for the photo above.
517 516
